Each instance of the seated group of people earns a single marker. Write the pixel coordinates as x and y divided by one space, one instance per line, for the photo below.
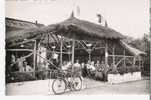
95 69
20 64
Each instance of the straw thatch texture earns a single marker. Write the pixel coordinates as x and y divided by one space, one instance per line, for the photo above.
133 50
71 28
13 37
80 29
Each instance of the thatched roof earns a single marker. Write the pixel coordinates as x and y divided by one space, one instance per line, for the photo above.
12 22
133 50
80 29
71 28
13 37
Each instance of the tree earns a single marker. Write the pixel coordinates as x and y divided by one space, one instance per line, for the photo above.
142 44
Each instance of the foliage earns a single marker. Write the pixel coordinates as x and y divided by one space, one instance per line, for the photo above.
144 45
122 70
19 77
133 69
113 70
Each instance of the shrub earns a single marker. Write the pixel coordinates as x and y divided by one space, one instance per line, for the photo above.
133 69
122 70
130 69
113 70
136 69
19 77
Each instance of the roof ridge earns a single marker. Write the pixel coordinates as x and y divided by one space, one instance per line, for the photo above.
23 21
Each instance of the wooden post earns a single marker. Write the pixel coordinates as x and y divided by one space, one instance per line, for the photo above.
34 58
139 62
90 55
72 61
124 59
134 60
61 51
113 54
106 53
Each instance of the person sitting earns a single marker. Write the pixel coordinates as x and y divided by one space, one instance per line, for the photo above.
83 69
98 74
77 65
46 69
66 65
97 66
77 68
90 68
104 69
27 68
20 63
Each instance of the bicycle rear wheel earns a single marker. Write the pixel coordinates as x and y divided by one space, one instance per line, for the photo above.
77 83
59 86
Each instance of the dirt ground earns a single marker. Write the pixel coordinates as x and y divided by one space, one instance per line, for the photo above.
90 87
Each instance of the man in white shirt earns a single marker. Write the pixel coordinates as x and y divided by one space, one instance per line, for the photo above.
91 66
77 65
66 65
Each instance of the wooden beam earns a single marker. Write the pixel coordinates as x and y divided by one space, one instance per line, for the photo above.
119 62
99 48
121 56
82 45
23 42
30 50
84 42
130 61
54 52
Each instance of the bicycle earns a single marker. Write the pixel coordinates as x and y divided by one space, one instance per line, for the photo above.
64 82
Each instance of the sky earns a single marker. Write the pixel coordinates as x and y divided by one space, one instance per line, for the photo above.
129 17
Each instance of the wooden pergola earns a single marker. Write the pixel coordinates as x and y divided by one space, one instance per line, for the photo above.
74 34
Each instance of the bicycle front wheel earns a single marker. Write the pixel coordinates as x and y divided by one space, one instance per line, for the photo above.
59 86
77 83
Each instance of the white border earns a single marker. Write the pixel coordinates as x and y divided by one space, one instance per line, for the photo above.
2 71
2 47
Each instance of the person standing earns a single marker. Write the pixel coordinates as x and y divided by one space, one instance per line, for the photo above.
97 66
77 68
20 64
104 69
